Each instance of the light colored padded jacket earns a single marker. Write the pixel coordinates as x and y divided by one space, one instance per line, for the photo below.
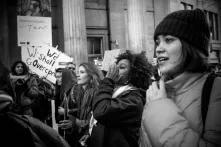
176 121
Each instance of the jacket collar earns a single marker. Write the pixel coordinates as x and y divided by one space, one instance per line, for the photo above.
184 81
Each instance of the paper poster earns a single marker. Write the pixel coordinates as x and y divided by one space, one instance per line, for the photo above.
110 58
36 30
43 60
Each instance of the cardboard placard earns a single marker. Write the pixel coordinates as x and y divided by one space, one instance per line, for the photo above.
43 60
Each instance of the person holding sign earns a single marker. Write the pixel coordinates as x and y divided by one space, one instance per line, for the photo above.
58 99
79 101
68 80
119 101
25 88
22 130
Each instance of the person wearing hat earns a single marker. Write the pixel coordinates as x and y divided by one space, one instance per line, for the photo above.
172 114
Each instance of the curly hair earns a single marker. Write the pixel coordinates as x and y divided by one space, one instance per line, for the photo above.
25 68
94 73
140 69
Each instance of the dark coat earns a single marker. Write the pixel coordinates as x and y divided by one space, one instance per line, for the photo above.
23 130
25 92
119 118
26 131
79 105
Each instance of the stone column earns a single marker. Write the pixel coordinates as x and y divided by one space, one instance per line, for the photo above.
135 25
75 40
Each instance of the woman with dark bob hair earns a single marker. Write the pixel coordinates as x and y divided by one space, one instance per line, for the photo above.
118 103
176 112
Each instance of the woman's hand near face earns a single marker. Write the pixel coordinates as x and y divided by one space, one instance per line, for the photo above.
113 72
156 91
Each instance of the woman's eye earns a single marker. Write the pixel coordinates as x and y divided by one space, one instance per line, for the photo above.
121 68
169 40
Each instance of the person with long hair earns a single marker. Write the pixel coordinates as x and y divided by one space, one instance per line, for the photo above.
22 130
25 88
173 115
78 102
118 103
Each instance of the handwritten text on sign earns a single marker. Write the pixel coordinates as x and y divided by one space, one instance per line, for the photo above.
34 29
43 60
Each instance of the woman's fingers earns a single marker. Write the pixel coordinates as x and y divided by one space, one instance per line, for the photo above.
162 84
65 124
66 121
156 91
154 85
113 72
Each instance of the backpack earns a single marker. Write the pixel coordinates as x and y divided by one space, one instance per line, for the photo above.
205 98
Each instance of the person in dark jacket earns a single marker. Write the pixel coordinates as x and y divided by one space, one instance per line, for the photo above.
79 103
30 92
58 100
118 103
68 80
22 130
25 88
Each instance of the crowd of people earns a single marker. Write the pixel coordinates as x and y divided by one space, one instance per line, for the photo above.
134 104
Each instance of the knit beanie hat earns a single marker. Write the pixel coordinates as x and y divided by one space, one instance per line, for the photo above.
188 25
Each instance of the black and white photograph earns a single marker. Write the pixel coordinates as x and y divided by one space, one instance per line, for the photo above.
110 73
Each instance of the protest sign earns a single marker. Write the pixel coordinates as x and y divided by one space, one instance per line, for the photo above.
43 59
110 58
34 30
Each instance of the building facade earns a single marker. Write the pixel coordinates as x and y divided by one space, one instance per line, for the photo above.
84 29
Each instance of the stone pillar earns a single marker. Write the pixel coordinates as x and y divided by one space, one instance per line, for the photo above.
135 25
75 40
161 9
